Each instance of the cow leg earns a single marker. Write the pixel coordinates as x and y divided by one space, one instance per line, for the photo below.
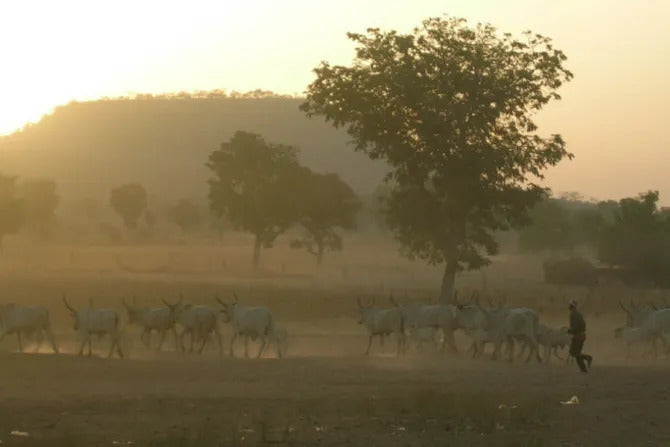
534 348
232 342
39 338
522 351
246 346
218 339
510 345
192 332
160 342
367 351
176 341
400 342
81 348
181 340
18 336
149 338
50 336
90 352
205 338
381 340
449 339
264 340
117 342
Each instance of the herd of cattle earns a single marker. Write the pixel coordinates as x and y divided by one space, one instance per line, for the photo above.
411 324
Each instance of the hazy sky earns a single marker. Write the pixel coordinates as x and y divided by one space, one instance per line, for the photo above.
612 114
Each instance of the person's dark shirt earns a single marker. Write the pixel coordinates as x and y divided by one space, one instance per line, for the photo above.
577 323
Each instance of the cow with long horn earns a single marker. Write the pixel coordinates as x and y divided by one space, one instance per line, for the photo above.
200 321
249 322
100 322
382 322
159 319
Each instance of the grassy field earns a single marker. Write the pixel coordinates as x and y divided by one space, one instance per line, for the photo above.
326 392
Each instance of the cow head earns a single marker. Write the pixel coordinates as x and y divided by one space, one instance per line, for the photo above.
177 308
227 310
365 311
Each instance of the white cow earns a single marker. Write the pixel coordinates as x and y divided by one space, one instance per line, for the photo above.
100 322
508 324
382 322
635 336
26 320
650 320
439 316
423 335
248 322
159 319
199 321
552 339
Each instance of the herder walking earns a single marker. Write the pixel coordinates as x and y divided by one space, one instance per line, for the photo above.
578 332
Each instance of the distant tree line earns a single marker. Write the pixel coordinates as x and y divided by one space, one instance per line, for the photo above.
633 233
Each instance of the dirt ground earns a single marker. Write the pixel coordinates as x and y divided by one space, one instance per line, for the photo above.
326 392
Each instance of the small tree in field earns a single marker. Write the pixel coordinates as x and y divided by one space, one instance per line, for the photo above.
255 186
185 214
450 108
11 209
129 201
326 203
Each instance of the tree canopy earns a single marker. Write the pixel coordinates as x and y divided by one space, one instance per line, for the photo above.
451 108
255 185
326 203
129 201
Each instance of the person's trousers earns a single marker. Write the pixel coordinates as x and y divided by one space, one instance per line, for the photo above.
576 346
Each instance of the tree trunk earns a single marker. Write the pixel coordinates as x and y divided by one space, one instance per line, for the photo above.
257 251
448 281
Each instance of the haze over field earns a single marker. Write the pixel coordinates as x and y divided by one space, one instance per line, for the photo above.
398 235
612 113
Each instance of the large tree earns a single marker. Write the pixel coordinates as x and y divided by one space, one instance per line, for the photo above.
40 199
451 108
255 186
11 209
129 201
326 204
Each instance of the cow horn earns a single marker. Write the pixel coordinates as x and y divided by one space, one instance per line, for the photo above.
236 298
70 308
624 308
358 300
221 302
